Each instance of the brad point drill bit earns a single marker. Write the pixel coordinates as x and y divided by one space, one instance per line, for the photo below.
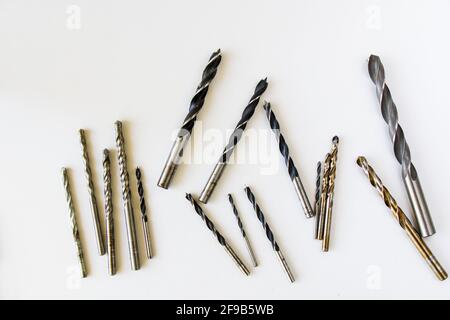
144 217
233 140
284 149
401 149
317 197
188 124
241 227
92 198
269 234
126 196
74 225
110 239
402 219
217 234
323 198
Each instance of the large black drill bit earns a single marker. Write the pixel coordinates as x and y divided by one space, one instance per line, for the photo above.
144 217
188 124
233 140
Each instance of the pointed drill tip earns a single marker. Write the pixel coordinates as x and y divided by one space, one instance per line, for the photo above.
361 160
188 196
335 140
138 173
266 105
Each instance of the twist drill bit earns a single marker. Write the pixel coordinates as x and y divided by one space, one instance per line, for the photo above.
402 219
401 149
284 149
323 198
92 198
188 124
269 233
126 196
317 198
244 234
144 217
73 222
110 239
217 234
233 140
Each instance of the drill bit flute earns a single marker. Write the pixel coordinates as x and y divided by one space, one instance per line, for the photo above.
401 148
402 219
317 197
144 217
320 217
188 124
218 235
233 140
110 239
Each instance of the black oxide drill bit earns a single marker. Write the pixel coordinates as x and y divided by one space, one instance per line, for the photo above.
233 140
188 124
144 217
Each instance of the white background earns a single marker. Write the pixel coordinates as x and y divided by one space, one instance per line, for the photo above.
140 61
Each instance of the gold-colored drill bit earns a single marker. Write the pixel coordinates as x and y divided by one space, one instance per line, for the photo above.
320 216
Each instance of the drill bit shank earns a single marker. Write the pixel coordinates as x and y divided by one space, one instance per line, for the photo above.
144 217
110 239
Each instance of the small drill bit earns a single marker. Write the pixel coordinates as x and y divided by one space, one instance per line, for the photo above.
110 239
317 198
217 234
401 149
126 196
92 198
144 217
233 140
74 225
323 198
284 149
269 233
402 219
244 234
188 124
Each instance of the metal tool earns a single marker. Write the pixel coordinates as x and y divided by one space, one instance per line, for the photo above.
243 232
218 235
323 198
401 149
73 222
402 219
188 124
144 217
110 239
317 198
292 170
92 198
233 140
269 233
126 195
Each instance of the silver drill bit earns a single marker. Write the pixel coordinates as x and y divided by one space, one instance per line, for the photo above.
232 142
292 170
188 124
401 149
92 198
74 225
218 235
110 239
317 198
241 227
269 233
126 195
144 216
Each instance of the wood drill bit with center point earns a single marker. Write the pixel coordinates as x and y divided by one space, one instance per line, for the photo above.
144 216
110 238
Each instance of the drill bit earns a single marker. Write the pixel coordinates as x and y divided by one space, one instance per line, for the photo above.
126 196
241 227
317 198
144 217
110 239
323 198
92 198
233 140
269 233
284 149
402 219
188 124
74 225
217 234
330 195
401 149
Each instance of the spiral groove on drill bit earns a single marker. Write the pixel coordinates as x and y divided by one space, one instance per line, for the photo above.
144 217
320 222
110 238
318 185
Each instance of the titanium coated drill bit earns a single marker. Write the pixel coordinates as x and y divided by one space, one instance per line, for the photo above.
402 219
401 149
218 235
317 197
323 198
241 227
110 239
233 140
284 149
73 222
126 196
144 217
188 124
269 233
92 198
